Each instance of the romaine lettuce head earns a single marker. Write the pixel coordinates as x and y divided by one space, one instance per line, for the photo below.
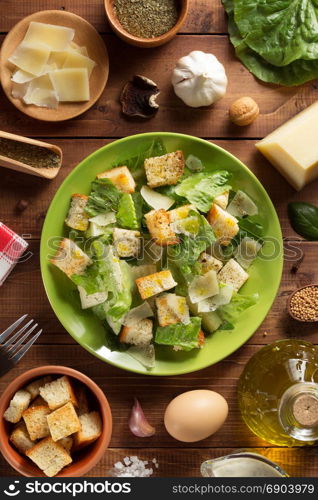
280 31
184 336
201 189
295 73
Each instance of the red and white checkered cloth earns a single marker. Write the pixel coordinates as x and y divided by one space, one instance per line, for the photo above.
12 247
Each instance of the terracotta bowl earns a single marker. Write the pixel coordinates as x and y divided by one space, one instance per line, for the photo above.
314 285
145 42
84 460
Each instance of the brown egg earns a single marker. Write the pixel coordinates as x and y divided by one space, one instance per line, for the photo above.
195 415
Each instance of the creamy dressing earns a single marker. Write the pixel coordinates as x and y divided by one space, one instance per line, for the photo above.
240 466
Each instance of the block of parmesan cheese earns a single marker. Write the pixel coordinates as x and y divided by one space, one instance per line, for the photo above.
293 148
71 84
54 37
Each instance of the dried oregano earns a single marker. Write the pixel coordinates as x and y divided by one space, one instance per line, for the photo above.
146 18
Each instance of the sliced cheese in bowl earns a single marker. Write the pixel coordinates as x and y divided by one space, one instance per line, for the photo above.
71 84
76 60
43 97
54 37
31 59
21 76
58 57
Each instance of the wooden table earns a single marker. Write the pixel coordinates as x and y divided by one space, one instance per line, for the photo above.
23 291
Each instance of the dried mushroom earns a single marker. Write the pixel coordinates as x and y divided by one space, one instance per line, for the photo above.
138 97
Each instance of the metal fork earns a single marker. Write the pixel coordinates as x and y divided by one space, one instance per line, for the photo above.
12 350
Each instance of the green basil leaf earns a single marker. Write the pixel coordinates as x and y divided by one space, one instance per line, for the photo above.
304 219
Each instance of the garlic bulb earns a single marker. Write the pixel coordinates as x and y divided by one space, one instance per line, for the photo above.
199 79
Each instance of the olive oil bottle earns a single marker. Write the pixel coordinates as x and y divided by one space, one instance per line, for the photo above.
278 393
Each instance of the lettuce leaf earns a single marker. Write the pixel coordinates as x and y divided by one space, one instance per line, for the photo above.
201 189
104 197
184 336
239 303
126 213
295 73
186 254
280 31
108 274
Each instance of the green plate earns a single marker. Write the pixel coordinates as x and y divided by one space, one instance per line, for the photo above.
88 331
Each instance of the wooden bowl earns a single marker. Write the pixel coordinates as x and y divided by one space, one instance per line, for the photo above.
145 42
88 457
314 285
18 166
85 35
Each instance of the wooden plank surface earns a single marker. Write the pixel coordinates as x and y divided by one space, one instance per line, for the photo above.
23 291
177 459
105 118
205 16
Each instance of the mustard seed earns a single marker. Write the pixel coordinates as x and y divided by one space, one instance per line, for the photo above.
304 304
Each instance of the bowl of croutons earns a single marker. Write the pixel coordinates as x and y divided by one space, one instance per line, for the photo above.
54 421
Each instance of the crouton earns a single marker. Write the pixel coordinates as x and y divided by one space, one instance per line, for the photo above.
82 401
224 225
39 401
49 456
172 309
63 422
18 404
180 212
70 258
233 274
137 333
36 422
164 170
127 242
121 177
58 393
222 199
158 223
21 439
77 218
91 429
34 387
209 263
67 443
155 283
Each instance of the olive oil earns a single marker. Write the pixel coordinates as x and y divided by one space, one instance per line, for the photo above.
278 393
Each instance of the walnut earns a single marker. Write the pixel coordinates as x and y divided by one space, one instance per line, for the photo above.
244 111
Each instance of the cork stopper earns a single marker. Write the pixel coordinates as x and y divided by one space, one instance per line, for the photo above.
305 410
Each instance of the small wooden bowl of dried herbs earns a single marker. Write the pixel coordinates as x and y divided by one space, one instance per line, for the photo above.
303 304
146 23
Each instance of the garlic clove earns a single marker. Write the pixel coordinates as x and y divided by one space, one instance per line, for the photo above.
138 424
